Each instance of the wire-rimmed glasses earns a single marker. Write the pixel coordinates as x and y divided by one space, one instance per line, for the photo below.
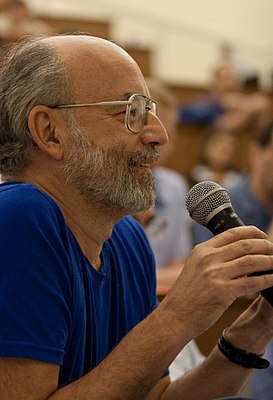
137 108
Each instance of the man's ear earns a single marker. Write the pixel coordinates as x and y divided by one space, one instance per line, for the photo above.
47 127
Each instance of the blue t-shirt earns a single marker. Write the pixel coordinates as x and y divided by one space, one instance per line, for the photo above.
54 306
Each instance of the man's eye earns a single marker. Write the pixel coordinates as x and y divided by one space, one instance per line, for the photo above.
133 112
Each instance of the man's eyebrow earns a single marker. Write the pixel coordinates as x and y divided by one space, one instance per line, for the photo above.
126 96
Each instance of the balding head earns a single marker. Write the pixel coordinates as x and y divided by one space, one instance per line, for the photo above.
55 70
70 47
95 65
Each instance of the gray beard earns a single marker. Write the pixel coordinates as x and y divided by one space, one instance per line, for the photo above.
108 177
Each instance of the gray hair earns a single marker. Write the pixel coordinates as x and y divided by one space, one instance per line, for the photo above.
30 74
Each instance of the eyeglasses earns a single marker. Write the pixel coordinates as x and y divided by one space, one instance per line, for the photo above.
137 108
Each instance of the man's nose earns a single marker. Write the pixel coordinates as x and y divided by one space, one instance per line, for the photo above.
154 131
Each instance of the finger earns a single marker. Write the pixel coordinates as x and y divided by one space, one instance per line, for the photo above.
250 284
245 247
259 264
234 234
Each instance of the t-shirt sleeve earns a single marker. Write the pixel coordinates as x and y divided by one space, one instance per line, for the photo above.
34 278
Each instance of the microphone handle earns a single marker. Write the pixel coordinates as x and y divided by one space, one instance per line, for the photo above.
223 220
226 219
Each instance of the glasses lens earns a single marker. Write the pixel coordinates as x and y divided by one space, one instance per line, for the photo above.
137 113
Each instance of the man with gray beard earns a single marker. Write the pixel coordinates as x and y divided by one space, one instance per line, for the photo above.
112 181
79 315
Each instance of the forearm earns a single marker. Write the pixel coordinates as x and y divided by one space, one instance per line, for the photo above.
217 376
133 368
136 365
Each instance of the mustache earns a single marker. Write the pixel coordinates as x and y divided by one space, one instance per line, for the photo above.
150 153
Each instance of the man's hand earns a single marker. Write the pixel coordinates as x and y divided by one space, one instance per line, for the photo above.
215 274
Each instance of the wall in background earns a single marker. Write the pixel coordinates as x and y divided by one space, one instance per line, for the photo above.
185 36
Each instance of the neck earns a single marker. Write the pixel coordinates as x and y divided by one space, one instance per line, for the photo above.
90 224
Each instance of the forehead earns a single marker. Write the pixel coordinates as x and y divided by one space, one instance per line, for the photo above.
99 69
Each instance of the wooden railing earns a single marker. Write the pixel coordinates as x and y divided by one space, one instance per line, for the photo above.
64 24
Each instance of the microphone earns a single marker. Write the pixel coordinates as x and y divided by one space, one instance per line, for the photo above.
209 204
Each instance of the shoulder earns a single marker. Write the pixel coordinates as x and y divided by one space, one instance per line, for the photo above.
34 234
23 201
21 193
29 215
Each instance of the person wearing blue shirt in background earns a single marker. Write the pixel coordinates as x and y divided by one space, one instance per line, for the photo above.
252 195
79 317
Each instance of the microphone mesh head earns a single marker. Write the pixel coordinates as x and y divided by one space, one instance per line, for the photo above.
203 198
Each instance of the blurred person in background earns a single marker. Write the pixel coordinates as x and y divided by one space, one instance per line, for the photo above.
262 193
208 108
252 200
252 195
218 150
230 102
